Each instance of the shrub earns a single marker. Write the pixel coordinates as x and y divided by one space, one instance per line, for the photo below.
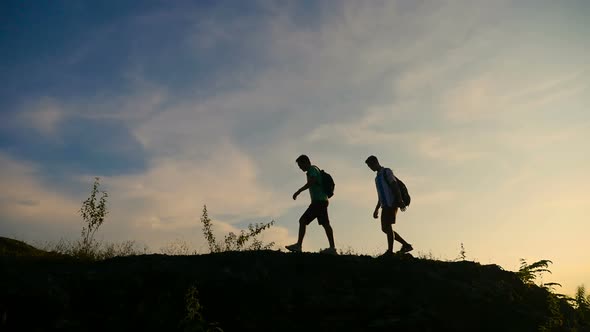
462 253
581 303
194 321
98 250
178 247
93 214
528 273
246 240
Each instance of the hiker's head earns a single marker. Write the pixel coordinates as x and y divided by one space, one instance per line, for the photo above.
303 162
373 163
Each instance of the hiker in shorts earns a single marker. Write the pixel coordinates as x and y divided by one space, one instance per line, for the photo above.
390 199
318 209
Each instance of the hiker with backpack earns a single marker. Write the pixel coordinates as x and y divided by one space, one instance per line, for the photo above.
321 187
391 193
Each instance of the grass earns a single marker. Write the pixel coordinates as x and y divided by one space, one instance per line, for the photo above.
96 250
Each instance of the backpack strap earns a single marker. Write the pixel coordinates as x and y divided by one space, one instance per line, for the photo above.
319 173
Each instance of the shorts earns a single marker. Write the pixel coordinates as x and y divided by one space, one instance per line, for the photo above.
317 209
388 214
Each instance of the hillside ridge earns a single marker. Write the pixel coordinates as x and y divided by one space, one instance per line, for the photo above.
269 291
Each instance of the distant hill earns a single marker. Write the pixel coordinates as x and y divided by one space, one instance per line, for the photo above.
271 291
11 247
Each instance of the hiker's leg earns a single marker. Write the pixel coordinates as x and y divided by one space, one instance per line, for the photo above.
324 220
307 217
330 235
387 221
302 227
396 235
388 230
399 239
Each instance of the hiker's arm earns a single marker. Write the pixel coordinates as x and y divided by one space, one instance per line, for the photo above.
376 212
310 182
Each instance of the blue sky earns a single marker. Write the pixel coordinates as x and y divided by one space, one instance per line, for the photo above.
479 106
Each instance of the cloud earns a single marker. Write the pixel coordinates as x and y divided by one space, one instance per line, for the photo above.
24 197
173 191
67 137
42 117
82 146
439 148
489 95
154 208
45 118
352 44
369 131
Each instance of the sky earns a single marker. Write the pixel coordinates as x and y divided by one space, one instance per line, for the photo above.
480 107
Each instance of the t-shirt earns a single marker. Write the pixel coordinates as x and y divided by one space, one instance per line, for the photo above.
316 191
382 181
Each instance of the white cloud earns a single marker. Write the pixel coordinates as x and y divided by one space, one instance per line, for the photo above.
439 148
24 197
153 208
495 94
172 192
45 118
42 116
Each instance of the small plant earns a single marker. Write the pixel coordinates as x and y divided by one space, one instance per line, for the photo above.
93 214
98 251
581 303
462 253
126 248
178 247
581 300
194 320
208 231
348 251
429 255
529 273
246 240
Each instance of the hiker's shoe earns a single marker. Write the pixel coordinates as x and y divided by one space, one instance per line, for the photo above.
296 247
330 251
406 248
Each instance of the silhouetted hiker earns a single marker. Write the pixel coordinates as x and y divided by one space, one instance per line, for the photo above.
390 199
318 207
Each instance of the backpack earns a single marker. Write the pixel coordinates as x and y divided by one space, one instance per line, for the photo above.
327 183
404 191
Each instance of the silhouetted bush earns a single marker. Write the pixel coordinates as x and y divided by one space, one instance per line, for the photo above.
246 240
93 214
194 321
178 247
